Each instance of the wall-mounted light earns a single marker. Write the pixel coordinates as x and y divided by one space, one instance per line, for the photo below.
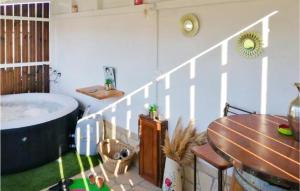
189 25
250 44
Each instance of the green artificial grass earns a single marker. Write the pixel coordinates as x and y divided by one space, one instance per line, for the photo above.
47 175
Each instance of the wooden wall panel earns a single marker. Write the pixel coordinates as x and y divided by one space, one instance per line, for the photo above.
25 80
9 10
17 35
9 40
17 83
9 80
2 37
2 41
25 10
39 38
31 10
39 78
39 12
46 79
31 79
46 41
21 42
3 81
32 41
25 41
17 10
17 41
46 10
2 9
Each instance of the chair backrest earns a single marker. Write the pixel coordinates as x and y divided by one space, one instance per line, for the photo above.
233 110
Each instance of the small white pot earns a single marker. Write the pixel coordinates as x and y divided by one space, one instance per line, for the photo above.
172 176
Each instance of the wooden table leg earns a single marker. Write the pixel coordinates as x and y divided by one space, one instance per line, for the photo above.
220 180
195 173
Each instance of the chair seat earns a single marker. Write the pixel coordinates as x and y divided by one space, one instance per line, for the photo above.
207 153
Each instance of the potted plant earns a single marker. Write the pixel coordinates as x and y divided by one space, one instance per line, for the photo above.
178 153
153 111
108 84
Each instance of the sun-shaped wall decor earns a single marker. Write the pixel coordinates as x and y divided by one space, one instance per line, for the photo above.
250 44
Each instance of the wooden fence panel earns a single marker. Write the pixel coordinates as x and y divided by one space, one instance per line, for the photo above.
2 37
39 81
39 44
2 41
32 40
9 10
46 41
3 81
46 10
46 79
2 9
17 35
25 79
25 10
17 83
9 40
24 41
31 79
17 10
17 41
10 80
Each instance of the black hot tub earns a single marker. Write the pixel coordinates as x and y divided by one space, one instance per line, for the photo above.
35 129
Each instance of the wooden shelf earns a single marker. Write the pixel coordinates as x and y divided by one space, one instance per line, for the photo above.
99 92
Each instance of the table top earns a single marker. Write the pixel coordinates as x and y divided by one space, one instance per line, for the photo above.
253 141
99 92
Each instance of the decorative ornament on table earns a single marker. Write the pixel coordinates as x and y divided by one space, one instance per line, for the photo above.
108 84
178 153
250 44
294 114
153 113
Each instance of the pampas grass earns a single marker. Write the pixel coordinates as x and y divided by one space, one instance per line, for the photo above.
183 139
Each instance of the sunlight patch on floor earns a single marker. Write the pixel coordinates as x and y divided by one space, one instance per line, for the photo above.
82 172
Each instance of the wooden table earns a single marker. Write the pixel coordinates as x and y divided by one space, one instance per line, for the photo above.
253 141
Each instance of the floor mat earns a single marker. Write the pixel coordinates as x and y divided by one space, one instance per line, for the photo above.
82 184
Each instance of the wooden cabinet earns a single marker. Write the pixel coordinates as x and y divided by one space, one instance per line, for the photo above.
151 157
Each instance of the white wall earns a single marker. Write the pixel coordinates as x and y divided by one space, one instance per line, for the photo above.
82 45
218 22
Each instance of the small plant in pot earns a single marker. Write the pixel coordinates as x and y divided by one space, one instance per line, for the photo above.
108 84
178 153
153 111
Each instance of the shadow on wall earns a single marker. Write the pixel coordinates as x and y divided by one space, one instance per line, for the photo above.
191 87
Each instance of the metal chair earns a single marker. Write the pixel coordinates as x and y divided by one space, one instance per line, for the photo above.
207 153
232 110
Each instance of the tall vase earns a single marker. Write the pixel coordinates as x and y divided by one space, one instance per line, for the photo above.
172 176
294 114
